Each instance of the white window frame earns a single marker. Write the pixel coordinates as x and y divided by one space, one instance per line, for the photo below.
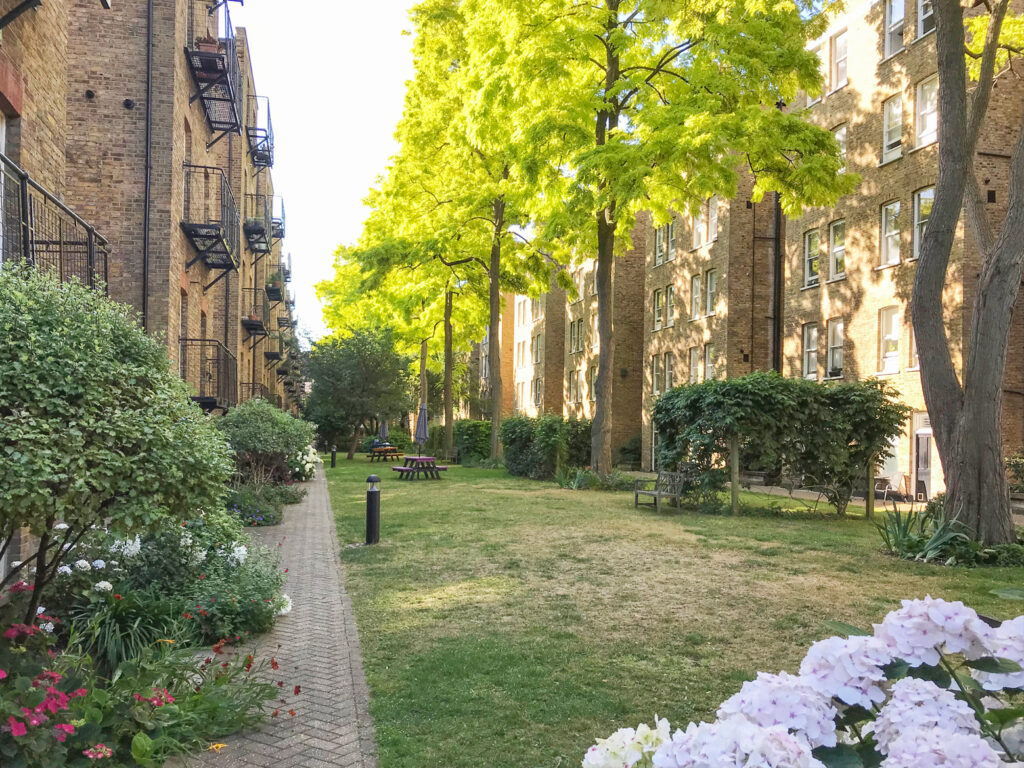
839 134
824 70
538 343
809 351
890 237
889 331
655 363
925 19
572 335
919 225
710 291
713 218
836 338
892 128
926 112
700 228
894 26
670 307
658 246
840 74
538 391
668 371
709 362
592 384
695 294
695 365
658 310
809 258
836 253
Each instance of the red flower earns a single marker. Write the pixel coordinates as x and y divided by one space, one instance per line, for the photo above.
298 689
117 597
274 665
291 712
276 713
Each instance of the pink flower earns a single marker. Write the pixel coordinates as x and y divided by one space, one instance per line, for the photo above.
2 674
17 727
98 752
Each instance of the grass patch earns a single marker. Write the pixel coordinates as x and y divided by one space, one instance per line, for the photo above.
506 622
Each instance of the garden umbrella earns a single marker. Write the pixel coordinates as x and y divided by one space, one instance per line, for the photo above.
421 427
383 434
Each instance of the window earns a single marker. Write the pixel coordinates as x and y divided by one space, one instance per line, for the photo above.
837 249
892 128
694 365
893 26
656 374
713 218
574 387
709 362
537 392
593 330
592 382
572 335
519 354
700 228
695 297
836 337
711 292
538 342
668 370
923 200
925 17
520 388
891 233
915 362
810 352
670 310
536 309
889 340
667 241
840 136
839 60
823 68
657 309
812 250
927 111
659 246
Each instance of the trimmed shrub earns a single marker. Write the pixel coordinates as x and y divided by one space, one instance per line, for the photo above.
631 451
472 439
264 438
540 447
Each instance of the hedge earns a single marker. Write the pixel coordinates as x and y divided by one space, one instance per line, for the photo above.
540 447
472 439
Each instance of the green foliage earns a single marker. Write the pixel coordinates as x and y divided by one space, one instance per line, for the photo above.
472 439
94 426
578 479
396 436
1015 467
264 437
539 447
631 451
257 505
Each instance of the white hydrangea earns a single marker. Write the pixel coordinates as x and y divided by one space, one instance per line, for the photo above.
239 553
64 570
99 565
939 748
921 705
850 669
285 604
921 629
61 527
735 743
627 746
129 547
40 611
83 565
1005 642
47 627
785 700
103 586
186 539
199 556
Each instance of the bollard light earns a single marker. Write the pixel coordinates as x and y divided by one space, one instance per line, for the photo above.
372 483
334 456
372 509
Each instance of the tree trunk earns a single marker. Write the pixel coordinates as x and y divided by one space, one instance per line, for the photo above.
449 364
354 445
494 332
40 580
423 373
869 496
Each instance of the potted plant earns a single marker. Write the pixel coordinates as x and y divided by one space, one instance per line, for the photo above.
208 44
274 280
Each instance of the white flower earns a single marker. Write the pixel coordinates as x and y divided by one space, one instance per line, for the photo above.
922 628
627 746
83 565
40 611
1005 642
99 565
15 563
103 586
199 556
938 748
785 700
64 570
238 554
921 705
285 604
186 539
61 527
47 627
849 669
735 743
129 547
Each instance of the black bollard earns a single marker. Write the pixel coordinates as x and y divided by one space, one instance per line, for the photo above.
372 510
334 456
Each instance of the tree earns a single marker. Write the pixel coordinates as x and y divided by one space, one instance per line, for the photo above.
965 411
627 105
264 438
95 429
355 378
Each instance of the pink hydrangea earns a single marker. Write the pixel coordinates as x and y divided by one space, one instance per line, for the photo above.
735 743
939 748
1005 642
849 669
788 701
921 705
919 631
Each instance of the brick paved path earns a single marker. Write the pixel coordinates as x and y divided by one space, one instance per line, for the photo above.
318 648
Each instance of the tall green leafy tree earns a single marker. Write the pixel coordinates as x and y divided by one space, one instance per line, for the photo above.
624 105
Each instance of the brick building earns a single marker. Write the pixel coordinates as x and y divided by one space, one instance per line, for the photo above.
537 345
480 366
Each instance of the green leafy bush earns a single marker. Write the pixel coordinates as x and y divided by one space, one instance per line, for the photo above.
539 447
397 437
256 506
1015 466
631 451
579 479
263 438
472 439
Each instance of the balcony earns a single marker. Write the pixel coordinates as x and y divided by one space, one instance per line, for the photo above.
210 217
258 226
37 229
254 391
277 219
255 311
274 350
260 131
212 370
212 54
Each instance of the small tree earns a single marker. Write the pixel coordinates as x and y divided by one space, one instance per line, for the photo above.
94 427
264 437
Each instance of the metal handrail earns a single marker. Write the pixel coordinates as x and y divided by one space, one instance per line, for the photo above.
211 206
214 373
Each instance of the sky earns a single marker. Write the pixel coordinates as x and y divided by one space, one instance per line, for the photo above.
335 73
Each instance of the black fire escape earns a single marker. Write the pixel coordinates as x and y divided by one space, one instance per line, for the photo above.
210 218
212 53
277 219
255 313
258 225
259 129
212 371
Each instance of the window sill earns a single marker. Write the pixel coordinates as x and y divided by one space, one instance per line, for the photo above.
919 147
919 38
882 267
893 55
811 287
832 378
887 373
890 161
837 89
838 279
912 369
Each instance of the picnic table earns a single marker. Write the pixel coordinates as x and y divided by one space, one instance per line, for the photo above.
382 452
415 466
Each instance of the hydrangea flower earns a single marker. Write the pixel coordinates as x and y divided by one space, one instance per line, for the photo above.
103 586
918 631
47 627
735 743
239 553
850 669
64 570
83 565
99 565
921 705
785 700
129 547
286 605
1005 642
939 748
627 746
61 527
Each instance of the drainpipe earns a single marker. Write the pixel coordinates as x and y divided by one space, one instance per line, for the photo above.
149 165
777 273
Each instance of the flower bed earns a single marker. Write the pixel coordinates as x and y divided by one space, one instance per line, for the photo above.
934 685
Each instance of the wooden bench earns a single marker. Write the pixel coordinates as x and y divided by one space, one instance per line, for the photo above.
404 472
668 485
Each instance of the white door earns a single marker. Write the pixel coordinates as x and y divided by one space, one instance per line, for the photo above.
922 457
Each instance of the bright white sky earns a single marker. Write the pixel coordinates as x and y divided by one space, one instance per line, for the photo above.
335 72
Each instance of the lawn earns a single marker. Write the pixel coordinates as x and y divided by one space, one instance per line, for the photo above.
507 623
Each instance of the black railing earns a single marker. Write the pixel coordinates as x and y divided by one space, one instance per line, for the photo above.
212 370
273 348
210 217
277 218
253 390
257 225
212 53
275 287
259 128
255 311
37 229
